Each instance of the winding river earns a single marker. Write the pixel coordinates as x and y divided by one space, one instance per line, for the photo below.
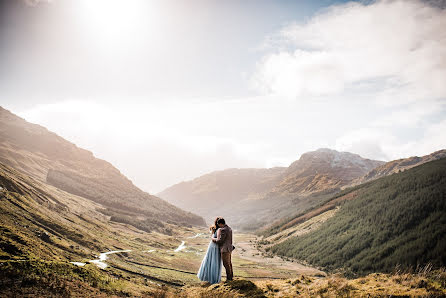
181 246
100 261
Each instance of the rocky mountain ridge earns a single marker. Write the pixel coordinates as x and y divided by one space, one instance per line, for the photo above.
399 165
323 170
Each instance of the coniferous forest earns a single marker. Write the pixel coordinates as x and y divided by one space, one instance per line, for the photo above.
397 221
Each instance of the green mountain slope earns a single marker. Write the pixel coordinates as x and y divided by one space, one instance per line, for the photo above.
39 221
43 228
50 159
395 220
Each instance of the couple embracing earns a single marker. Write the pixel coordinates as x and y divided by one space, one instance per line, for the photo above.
219 251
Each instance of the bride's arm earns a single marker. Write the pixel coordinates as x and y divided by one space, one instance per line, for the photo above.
218 236
221 236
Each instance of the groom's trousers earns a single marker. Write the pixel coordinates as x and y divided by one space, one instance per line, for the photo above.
227 263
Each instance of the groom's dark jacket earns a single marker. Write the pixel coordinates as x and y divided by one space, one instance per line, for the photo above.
224 239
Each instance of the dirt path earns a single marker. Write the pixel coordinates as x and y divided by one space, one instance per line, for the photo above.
245 249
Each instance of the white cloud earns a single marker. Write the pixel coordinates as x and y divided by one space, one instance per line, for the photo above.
398 45
300 73
371 143
388 56
383 142
434 137
409 116
36 2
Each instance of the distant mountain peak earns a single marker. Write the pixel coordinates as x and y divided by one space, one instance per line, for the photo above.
332 152
334 159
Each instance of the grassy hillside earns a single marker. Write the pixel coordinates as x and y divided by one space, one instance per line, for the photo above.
44 228
50 159
422 284
399 220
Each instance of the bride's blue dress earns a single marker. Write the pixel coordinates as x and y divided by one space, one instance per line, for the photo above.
210 269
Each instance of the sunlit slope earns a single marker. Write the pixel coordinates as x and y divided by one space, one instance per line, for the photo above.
48 158
37 224
395 220
43 228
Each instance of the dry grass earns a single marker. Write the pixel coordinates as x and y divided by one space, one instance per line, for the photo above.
424 283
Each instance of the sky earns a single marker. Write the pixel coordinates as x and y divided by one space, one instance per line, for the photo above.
170 90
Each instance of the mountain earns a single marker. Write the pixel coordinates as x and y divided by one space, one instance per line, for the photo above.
210 191
44 228
40 220
398 165
396 220
251 198
52 243
50 159
321 171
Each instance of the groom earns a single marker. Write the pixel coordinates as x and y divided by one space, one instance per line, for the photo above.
224 241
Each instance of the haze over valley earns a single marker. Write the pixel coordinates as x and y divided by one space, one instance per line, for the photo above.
255 197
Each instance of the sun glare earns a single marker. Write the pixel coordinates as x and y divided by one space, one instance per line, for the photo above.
117 22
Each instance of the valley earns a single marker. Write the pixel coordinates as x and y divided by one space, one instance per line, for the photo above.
83 229
153 270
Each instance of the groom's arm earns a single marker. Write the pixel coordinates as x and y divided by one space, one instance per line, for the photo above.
221 236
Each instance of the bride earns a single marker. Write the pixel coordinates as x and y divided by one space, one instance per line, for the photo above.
210 269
